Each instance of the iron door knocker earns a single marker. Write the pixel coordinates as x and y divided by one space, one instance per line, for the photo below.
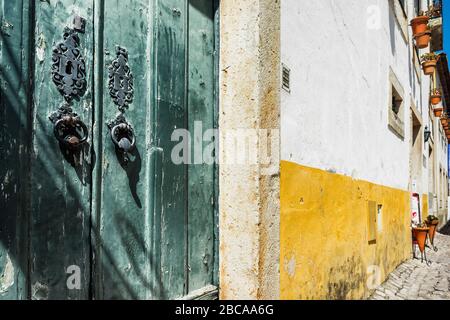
68 128
122 134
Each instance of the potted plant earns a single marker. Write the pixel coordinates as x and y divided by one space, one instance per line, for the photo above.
432 222
420 233
434 11
429 62
438 112
423 39
435 96
420 24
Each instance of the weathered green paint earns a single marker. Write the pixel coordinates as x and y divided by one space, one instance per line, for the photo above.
147 230
14 145
123 226
61 186
201 193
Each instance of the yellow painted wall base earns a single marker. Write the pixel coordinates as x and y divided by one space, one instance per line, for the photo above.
325 250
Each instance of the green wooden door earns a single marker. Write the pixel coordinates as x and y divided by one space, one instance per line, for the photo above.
86 223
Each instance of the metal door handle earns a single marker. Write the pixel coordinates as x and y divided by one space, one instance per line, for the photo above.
123 137
68 128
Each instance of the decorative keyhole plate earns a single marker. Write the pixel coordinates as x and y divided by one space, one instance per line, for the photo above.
69 67
121 80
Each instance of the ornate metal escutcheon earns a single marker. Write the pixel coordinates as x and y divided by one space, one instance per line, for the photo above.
121 91
121 80
69 76
68 127
69 67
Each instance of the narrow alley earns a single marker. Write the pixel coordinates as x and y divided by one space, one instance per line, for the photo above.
414 280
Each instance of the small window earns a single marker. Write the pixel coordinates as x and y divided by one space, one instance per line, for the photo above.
399 10
396 107
397 102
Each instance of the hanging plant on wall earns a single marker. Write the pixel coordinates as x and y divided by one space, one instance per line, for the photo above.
438 112
420 24
434 10
429 62
435 97
421 30
423 39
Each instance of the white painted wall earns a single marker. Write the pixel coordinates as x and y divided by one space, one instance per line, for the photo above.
336 116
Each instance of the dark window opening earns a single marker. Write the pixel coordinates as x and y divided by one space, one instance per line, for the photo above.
397 101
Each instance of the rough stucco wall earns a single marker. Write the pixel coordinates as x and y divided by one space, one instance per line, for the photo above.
325 246
337 151
249 199
440 207
337 110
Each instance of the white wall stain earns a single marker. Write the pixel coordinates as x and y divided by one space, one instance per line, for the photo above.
39 291
40 48
290 265
7 277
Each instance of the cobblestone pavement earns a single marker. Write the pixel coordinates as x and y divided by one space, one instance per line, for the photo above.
414 280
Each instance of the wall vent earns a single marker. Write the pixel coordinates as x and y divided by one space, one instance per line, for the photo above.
286 78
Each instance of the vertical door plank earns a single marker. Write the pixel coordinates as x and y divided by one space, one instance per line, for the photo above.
60 186
216 125
171 114
122 198
201 113
14 143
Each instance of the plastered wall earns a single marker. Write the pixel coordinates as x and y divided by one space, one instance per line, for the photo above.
338 152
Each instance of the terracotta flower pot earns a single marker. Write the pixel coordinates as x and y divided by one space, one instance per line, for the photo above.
435 99
420 235
438 112
429 67
423 39
433 226
419 24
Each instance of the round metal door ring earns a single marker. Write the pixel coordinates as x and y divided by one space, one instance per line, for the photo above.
67 131
129 134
